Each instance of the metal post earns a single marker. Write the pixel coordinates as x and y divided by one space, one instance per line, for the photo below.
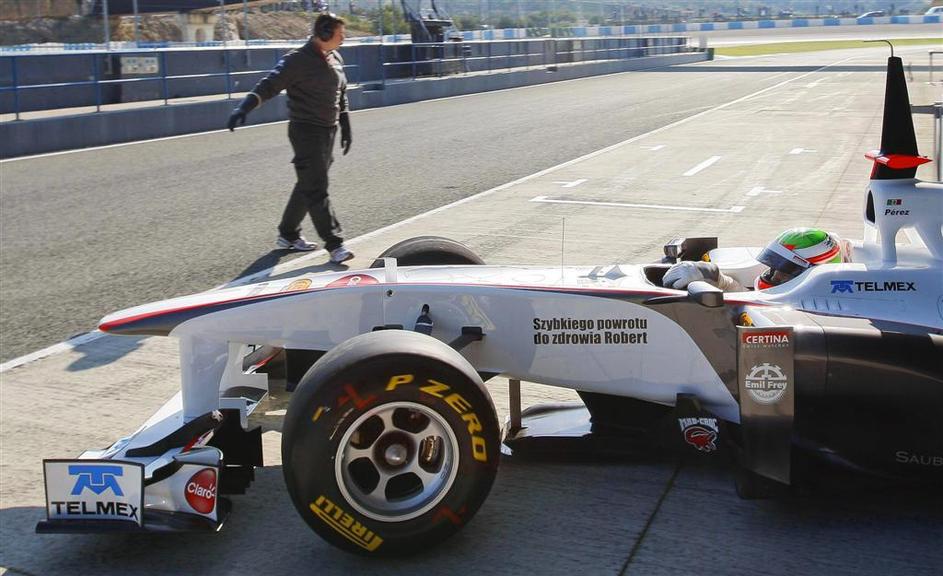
514 403
382 68
163 73
98 85
938 139
228 74
137 23
105 20
16 89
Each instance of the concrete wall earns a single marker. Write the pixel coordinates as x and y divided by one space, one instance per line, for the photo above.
28 137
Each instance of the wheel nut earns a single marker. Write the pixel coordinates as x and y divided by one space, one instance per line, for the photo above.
395 454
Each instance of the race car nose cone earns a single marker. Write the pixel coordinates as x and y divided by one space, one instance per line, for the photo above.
395 454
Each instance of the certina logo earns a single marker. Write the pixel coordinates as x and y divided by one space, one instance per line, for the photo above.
766 383
201 491
851 286
97 478
700 432
766 338
905 457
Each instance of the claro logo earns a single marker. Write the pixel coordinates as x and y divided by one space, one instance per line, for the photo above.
201 491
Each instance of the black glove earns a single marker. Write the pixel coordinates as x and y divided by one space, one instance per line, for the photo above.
346 137
239 113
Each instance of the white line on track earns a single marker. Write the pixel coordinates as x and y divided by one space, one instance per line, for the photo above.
546 200
571 184
291 265
702 166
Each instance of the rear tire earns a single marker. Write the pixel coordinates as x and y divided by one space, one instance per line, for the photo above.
390 443
429 251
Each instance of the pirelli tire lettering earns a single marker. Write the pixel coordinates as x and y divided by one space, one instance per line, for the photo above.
390 444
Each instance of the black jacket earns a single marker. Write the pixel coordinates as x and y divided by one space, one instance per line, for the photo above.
316 85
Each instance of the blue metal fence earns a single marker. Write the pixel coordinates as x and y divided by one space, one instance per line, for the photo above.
98 78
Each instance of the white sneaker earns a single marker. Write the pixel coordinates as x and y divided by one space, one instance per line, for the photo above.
298 244
341 254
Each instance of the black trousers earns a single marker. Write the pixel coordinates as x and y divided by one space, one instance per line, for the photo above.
314 153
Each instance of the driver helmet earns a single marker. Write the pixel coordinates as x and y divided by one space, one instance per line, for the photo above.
794 251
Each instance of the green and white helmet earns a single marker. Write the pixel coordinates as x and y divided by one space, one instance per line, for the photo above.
794 251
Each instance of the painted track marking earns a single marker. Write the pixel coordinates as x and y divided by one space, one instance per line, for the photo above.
544 199
702 166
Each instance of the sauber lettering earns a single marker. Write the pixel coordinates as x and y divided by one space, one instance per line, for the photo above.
344 524
905 457
201 491
457 402
851 286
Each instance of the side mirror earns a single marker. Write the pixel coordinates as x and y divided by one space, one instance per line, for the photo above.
699 292
705 294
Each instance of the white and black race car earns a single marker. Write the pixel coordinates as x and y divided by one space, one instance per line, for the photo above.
391 441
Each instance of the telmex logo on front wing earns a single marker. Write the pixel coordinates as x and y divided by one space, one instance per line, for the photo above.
96 478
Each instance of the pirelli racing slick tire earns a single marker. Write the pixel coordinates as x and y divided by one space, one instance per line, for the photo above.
390 443
429 251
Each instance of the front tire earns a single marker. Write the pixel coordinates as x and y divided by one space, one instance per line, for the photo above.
390 444
429 251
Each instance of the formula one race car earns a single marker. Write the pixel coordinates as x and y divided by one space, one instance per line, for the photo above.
391 441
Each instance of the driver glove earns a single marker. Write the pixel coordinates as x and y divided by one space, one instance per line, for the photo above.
683 273
347 138
239 113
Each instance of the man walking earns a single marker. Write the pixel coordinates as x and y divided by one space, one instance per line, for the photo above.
314 77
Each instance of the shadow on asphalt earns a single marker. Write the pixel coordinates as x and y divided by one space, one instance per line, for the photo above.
95 355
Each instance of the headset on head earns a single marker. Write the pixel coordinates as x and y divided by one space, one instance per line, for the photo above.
325 25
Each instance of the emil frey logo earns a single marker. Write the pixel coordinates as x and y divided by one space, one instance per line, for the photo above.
766 383
96 478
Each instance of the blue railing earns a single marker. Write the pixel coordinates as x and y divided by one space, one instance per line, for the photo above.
440 59
98 83
386 62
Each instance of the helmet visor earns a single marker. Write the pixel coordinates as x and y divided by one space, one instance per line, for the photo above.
783 263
